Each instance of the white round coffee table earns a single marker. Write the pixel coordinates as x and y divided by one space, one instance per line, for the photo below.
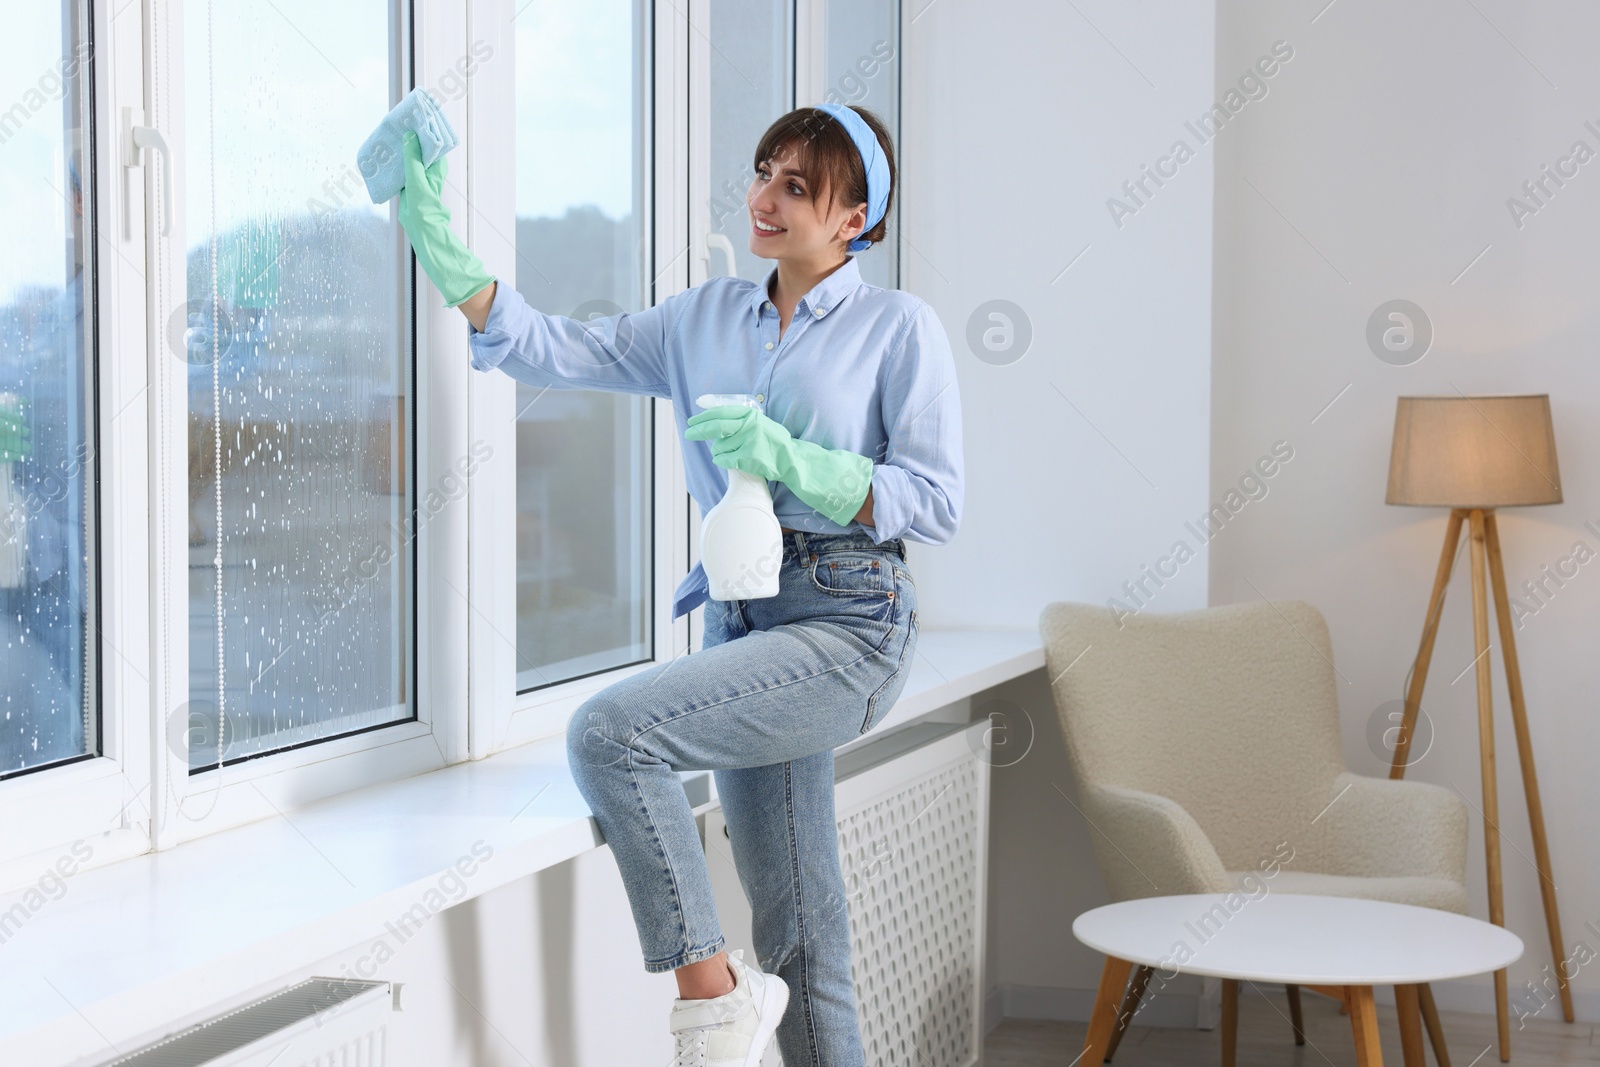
1338 946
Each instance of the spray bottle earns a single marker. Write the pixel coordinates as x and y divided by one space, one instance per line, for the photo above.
741 543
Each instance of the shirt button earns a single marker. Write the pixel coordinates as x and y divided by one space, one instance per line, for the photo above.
769 345
761 396
821 312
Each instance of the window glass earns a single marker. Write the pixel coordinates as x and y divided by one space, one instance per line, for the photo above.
584 458
296 335
752 85
48 708
862 59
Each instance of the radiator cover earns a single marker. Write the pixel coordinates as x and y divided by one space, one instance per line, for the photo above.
913 813
320 1022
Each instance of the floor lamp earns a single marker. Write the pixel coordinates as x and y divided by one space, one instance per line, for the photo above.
1473 454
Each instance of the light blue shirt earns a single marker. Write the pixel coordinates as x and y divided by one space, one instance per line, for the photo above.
860 368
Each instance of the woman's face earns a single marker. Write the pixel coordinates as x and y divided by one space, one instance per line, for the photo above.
780 197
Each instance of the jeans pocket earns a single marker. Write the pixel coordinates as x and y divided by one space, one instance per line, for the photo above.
860 575
884 697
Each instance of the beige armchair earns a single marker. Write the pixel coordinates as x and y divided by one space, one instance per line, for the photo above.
1206 748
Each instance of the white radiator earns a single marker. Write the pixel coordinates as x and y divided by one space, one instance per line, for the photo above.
320 1022
913 813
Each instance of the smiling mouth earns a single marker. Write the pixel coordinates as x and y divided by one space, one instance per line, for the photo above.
757 226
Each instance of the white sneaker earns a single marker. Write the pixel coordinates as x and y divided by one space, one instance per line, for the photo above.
732 1030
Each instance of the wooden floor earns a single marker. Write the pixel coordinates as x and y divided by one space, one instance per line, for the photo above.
1266 1038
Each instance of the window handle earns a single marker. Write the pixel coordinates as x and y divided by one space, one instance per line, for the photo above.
720 242
140 138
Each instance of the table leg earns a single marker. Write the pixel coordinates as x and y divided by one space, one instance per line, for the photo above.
1430 1019
1230 1021
1408 1008
1130 1005
1364 1026
1294 1014
1113 980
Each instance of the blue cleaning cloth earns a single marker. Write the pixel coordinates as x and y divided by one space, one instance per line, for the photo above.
380 161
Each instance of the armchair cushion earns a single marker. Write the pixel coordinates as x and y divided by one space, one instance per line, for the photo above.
1424 892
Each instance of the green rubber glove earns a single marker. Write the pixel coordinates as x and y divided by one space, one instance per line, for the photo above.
14 432
444 257
832 480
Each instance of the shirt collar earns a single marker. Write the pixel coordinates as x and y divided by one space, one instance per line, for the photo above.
823 297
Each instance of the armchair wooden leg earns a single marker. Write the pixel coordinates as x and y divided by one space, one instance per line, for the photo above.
1364 1026
1294 1013
1130 1004
1430 1019
1113 979
1406 1007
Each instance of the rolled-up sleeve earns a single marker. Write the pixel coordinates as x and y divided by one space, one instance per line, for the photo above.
622 353
917 488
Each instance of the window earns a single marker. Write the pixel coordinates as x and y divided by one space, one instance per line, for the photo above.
297 343
752 84
585 508
223 568
849 53
862 64
48 705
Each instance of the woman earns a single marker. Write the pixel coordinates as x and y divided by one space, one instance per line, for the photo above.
861 428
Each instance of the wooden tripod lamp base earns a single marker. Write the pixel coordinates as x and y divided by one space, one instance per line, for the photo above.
1490 451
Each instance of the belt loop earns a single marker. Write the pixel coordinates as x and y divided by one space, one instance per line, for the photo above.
900 543
799 545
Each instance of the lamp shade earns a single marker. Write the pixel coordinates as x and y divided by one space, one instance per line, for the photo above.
1473 452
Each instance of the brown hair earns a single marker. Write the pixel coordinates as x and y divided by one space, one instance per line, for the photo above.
825 154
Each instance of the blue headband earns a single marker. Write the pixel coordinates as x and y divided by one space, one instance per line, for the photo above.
872 158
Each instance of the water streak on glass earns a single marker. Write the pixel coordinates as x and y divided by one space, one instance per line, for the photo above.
48 651
296 337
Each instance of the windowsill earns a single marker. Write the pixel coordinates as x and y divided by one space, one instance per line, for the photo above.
127 943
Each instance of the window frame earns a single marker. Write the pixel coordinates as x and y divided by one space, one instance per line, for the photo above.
680 154
191 805
502 717
811 85
101 800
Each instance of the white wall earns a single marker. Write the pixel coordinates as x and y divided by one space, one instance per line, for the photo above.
1376 166
545 970
1022 119
1085 456
1388 148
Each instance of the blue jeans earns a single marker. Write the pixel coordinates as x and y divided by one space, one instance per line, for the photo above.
779 683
